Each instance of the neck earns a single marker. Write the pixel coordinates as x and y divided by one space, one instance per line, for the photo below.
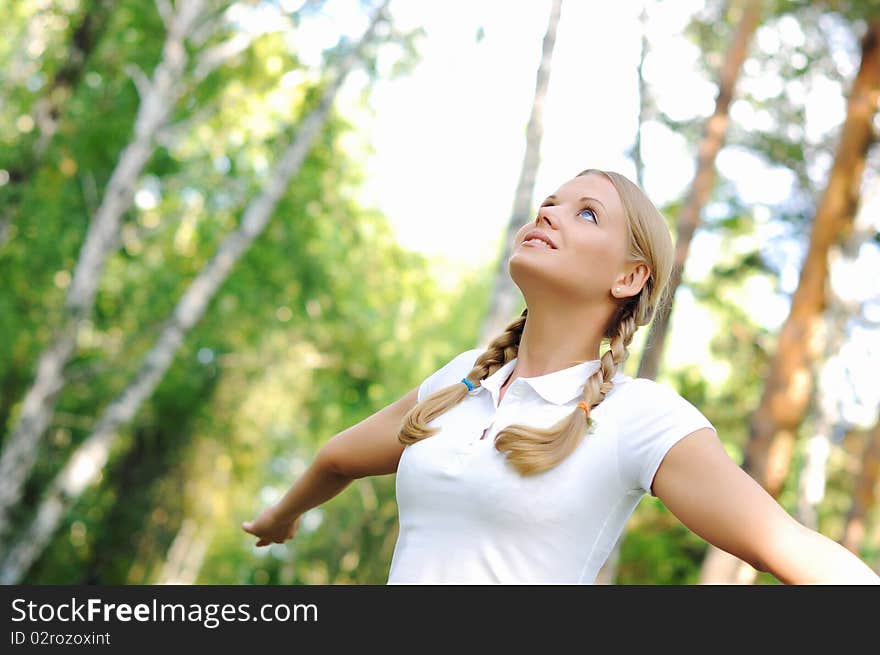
554 339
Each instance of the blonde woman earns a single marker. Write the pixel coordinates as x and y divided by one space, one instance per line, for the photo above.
521 464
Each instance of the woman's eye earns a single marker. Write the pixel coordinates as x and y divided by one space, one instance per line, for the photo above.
587 209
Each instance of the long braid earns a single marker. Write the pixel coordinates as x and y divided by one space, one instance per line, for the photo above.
600 383
501 350
633 312
531 449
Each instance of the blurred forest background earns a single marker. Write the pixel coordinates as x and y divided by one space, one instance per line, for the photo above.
196 290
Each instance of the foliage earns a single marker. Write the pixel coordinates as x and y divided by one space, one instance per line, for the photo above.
324 321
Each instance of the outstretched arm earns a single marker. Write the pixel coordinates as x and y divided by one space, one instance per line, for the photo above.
368 448
716 499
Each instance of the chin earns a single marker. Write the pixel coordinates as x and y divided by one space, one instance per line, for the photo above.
525 274
529 257
538 282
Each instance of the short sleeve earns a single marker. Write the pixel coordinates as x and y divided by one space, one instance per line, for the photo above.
655 419
453 371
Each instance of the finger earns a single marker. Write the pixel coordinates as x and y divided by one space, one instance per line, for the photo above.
261 542
246 526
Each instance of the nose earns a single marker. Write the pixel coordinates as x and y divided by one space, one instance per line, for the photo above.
545 215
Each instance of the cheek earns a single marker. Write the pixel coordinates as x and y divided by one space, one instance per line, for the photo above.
597 257
595 246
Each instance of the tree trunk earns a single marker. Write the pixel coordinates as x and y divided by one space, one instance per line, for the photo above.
186 554
505 295
828 414
47 108
608 573
157 97
646 103
864 495
711 143
87 461
811 485
789 383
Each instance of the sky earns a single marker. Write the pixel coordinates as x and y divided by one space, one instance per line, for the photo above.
443 145
466 108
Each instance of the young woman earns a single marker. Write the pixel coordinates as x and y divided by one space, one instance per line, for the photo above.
521 464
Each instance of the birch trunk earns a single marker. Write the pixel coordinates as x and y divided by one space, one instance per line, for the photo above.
789 383
505 294
157 97
710 145
186 554
85 465
46 109
608 573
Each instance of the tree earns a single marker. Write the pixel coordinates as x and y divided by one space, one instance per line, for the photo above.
788 385
505 295
47 108
841 314
88 460
864 494
608 572
157 98
712 140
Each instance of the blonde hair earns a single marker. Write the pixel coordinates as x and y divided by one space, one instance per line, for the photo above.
532 450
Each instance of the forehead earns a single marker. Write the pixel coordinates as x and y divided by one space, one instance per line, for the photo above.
594 186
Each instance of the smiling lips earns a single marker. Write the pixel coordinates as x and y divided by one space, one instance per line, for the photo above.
539 239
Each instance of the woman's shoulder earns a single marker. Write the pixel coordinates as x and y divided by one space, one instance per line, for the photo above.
645 395
452 371
647 401
461 364
646 387
652 417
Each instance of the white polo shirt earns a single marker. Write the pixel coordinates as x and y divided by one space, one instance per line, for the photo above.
468 517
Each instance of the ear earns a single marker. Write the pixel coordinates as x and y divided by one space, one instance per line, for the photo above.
631 282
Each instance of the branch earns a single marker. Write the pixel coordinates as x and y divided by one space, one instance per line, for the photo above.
212 19
166 12
140 80
221 53
170 134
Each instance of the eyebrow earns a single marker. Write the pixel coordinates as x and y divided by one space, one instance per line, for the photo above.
554 198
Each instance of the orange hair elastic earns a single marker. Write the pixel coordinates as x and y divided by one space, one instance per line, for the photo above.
585 407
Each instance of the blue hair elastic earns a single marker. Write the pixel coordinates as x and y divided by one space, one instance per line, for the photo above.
468 383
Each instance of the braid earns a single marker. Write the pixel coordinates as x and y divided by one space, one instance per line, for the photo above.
500 351
601 382
532 450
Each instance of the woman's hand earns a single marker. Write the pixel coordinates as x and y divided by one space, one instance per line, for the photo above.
271 527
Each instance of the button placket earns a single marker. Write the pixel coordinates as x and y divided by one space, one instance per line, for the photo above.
477 435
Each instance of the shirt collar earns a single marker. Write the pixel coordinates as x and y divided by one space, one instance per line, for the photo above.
558 387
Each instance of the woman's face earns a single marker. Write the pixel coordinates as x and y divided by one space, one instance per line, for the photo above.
585 223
